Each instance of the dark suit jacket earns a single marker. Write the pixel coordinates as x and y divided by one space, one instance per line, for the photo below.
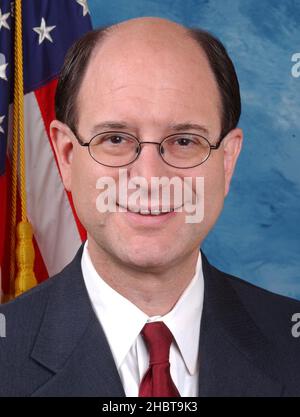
55 346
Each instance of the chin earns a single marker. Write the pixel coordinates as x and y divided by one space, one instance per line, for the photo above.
149 257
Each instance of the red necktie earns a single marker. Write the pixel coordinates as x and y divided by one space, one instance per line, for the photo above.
157 381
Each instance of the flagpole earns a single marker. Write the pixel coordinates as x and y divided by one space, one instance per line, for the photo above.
22 250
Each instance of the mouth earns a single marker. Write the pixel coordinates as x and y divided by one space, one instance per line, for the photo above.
143 211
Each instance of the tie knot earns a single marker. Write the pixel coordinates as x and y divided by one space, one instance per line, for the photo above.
158 339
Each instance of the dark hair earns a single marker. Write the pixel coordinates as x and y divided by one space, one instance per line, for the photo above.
72 73
78 57
225 75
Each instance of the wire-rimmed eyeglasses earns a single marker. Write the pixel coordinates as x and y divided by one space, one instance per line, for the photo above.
118 149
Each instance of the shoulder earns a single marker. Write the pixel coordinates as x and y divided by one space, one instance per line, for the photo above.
276 315
31 303
22 317
260 298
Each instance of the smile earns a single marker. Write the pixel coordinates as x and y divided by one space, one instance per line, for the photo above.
148 211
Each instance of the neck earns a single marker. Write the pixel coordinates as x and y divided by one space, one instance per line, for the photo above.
155 291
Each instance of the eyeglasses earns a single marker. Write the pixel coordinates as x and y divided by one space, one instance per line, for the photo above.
179 150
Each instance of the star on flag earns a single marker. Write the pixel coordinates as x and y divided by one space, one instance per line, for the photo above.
1 120
85 7
3 66
44 31
3 20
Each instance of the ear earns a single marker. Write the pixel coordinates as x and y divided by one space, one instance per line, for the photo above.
232 144
62 139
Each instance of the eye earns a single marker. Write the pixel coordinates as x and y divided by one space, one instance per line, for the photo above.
114 139
184 141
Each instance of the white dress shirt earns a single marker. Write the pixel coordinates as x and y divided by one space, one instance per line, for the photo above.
122 322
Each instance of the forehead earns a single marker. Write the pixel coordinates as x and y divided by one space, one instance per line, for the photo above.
163 76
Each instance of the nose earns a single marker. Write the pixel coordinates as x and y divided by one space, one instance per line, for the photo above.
149 163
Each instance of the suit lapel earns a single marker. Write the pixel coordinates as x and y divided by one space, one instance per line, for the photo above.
235 357
72 344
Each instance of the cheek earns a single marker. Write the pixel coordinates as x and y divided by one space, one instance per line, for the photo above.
214 197
214 181
213 193
84 177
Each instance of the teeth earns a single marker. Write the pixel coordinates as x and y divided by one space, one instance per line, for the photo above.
155 212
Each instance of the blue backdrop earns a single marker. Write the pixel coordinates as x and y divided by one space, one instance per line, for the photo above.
258 234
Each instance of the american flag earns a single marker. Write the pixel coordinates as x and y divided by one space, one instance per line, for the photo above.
49 28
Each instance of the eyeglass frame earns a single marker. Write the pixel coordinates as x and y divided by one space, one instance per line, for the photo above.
211 147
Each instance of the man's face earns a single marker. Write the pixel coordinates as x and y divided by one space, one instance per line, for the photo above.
148 82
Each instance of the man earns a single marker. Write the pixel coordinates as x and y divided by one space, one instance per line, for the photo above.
140 311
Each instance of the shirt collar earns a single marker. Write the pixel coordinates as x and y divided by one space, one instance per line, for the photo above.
122 321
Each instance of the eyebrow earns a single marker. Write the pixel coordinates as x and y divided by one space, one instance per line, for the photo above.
178 127
109 125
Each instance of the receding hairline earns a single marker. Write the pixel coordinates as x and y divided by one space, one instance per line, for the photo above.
213 50
118 29
147 23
